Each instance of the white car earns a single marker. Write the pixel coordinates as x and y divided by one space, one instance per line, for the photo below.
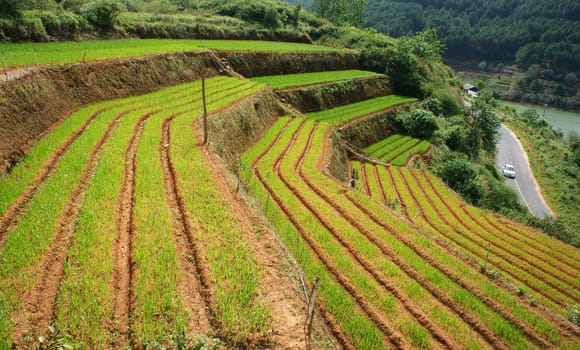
509 171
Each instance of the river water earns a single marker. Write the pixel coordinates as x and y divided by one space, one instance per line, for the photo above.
559 119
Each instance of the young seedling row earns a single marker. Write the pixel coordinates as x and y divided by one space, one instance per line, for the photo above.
278 82
111 235
397 149
362 109
390 254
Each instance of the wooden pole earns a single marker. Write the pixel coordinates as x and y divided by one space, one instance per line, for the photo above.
311 303
205 136
4 63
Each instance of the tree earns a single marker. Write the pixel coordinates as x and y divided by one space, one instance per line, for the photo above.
102 14
341 12
419 123
462 176
483 123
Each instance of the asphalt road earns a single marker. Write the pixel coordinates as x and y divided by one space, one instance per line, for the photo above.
511 151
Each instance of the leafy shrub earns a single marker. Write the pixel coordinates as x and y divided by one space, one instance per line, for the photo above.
103 14
462 176
420 123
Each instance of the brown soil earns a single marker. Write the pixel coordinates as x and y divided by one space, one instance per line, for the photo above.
195 283
330 95
122 278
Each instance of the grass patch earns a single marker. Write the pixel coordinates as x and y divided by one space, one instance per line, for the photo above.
294 80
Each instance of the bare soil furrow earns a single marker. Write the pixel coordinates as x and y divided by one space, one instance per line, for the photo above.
40 302
512 258
500 309
122 279
379 183
335 329
501 236
365 180
195 283
399 196
409 305
444 233
531 235
15 211
551 251
394 337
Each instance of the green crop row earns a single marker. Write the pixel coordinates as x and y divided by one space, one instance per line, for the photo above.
500 326
269 189
425 246
307 198
70 52
376 146
434 221
502 241
521 236
390 151
402 159
304 79
12 185
343 114
84 305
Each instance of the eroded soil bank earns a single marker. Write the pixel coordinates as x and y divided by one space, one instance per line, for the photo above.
35 100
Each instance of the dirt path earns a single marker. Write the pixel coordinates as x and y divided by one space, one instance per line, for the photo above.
195 285
280 286
122 279
40 302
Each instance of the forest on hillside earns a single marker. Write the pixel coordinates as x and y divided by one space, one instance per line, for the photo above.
542 38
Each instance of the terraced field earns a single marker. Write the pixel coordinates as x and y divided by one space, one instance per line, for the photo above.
119 229
397 149
387 284
348 113
305 79
116 230
69 52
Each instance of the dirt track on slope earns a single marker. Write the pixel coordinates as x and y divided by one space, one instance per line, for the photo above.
122 279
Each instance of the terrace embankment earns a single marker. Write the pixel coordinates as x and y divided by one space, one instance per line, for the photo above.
33 100
363 132
324 96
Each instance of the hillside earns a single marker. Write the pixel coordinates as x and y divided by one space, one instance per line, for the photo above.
240 194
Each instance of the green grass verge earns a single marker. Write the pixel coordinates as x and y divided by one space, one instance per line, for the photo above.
294 80
343 114
70 52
